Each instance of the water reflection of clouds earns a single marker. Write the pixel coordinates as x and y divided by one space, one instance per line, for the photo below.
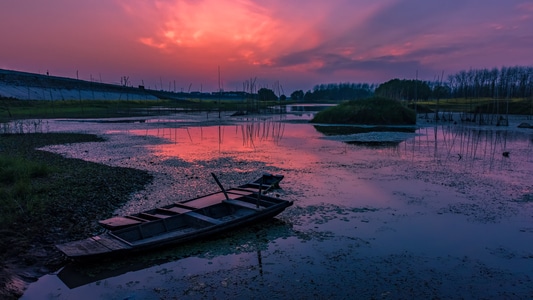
266 141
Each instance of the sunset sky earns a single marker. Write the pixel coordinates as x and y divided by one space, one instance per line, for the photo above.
294 42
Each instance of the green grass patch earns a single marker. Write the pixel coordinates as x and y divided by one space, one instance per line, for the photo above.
372 111
13 169
479 105
12 109
502 107
19 196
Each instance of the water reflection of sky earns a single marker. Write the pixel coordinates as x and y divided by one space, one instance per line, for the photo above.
442 208
273 142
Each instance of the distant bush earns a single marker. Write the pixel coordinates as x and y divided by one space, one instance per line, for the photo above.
372 111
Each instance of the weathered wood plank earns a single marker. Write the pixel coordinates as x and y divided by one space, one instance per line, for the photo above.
240 192
175 209
203 217
243 204
111 244
118 222
205 201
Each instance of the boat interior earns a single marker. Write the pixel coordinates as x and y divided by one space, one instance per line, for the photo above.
179 219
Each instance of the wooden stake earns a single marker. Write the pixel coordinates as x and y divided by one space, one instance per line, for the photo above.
220 185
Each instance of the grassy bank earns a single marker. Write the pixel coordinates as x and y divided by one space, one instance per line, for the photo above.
12 109
480 105
373 111
47 199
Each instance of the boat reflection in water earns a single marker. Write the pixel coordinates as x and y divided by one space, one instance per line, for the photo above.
253 239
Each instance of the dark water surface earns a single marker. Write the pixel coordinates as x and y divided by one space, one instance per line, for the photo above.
443 211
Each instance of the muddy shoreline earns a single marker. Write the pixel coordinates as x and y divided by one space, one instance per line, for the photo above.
27 246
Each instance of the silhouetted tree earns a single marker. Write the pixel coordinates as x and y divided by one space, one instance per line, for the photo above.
340 91
265 94
404 89
506 82
308 96
441 92
297 95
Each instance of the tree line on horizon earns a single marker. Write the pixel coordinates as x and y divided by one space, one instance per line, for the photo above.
506 82
335 91
502 83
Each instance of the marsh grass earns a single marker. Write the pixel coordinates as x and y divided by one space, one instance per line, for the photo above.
517 106
16 168
19 196
24 126
26 109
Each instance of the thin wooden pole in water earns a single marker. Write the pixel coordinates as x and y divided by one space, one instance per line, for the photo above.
219 92
416 92
259 192
220 185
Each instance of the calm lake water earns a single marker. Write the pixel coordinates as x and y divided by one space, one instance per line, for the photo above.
441 211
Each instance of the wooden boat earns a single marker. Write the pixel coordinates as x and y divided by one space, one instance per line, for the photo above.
182 221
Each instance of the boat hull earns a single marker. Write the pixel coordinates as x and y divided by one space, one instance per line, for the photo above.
171 225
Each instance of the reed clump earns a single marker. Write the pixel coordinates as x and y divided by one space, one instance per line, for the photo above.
371 111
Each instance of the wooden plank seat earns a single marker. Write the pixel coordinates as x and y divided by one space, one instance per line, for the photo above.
262 200
176 209
119 222
240 192
243 204
203 201
245 189
150 217
182 205
170 211
159 214
203 217
255 185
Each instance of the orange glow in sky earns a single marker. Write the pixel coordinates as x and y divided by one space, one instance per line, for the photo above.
296 43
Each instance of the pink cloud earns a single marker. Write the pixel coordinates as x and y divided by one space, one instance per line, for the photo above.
236 30
247 32
303 42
